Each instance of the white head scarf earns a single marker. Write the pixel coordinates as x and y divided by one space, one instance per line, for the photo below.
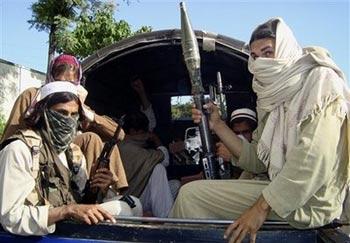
56 87
50 88
291 87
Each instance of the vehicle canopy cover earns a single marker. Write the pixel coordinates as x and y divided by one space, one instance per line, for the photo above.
156 57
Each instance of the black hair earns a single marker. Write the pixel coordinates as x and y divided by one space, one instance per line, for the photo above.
35 119
136 120
265 30
60 69
252 124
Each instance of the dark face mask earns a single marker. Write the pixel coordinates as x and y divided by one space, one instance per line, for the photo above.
61 129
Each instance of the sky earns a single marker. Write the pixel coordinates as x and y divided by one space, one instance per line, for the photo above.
323 23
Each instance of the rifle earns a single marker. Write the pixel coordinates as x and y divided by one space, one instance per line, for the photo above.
192 59
94 194
216 94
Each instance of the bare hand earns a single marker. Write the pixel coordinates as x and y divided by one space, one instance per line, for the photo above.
212 109
102 179
223 152
137 85
90 214
249 222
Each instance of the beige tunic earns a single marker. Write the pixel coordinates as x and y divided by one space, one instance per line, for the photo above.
308 192
16 183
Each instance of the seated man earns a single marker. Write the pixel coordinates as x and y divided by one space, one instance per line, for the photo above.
147 109
67 68
243 122
43 174
145 160
302 141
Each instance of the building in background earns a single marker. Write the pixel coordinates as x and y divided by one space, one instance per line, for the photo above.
15 78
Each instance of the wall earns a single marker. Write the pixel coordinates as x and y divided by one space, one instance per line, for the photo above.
13 80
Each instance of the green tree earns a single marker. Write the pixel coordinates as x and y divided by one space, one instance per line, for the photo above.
52 15
79 27
181 111
94 29
2 124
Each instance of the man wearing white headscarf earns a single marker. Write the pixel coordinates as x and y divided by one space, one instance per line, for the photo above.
99 129
302 141
43 174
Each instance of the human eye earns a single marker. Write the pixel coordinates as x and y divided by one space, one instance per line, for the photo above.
75 115
268 54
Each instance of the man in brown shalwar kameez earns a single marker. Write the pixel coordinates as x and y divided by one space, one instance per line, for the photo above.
145 165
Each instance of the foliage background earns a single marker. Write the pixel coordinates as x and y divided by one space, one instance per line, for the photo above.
181 107
2 124
79 27
94 29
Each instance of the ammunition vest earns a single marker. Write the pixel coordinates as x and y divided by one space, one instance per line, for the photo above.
54 183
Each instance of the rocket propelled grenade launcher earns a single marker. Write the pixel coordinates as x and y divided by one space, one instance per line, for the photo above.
192 59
